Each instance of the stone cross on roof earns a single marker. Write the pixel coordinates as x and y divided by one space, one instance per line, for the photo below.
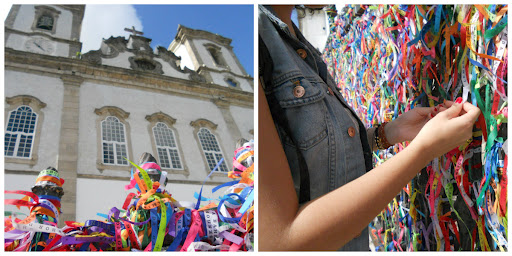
133 31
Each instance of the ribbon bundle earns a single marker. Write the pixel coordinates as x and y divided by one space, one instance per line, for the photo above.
389 59
151 220
45 207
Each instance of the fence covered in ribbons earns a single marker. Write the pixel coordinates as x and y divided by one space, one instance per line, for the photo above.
387 60
149 220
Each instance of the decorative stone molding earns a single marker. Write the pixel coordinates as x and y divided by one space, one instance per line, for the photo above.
145 64
140 44
203 123
169 57
122 77
158 117
142 51
112 111
13 103
41 10
161 117
184 32
110 48
118 43
28 100
122 115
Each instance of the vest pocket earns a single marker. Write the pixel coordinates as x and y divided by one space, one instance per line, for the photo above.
305 111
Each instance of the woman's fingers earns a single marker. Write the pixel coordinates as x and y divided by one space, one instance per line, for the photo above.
471 113
452 111
447 104
424 111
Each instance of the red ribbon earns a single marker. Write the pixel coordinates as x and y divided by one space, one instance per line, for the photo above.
195 228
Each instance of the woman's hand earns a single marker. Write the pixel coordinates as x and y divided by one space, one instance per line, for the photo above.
408 124
448 129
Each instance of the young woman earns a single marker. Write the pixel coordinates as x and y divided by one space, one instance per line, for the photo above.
317 188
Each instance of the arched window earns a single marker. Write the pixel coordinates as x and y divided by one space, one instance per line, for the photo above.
215 52
166 146
113 141
215 56
45 21
20 132
211 149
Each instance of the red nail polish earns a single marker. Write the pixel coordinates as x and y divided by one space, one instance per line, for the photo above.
459 100
435 109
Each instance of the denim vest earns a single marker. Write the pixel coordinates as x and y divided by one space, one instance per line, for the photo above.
330 136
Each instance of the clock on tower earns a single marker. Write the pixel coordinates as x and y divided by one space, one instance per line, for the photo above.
40 45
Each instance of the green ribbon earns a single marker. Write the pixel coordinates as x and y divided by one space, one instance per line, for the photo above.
497 29
161 228
144 174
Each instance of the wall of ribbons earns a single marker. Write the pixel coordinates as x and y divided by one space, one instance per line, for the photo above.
150 219
388 59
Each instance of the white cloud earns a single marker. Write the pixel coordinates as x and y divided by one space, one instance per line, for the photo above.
104 21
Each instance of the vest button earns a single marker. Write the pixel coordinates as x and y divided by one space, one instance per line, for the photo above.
298 91
351 131
302 53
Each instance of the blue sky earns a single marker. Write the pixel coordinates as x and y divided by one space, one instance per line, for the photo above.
160 23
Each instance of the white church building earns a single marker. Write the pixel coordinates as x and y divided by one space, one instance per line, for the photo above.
85 113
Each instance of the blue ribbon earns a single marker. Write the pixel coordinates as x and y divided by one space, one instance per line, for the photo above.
154 227
201 191
227 184
228 196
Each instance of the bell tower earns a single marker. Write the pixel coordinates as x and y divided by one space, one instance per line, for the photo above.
212 56
45 29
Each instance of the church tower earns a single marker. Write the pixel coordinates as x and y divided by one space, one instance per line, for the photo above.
212 56
45 29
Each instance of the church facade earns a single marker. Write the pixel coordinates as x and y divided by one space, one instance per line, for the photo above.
87 113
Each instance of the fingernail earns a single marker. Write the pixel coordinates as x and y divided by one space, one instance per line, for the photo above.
459 100
435 109
431 116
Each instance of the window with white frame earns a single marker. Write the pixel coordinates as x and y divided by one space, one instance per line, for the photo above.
20 132
113 141
166 146
211 149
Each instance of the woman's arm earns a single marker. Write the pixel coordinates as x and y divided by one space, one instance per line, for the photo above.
405 127
330 221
